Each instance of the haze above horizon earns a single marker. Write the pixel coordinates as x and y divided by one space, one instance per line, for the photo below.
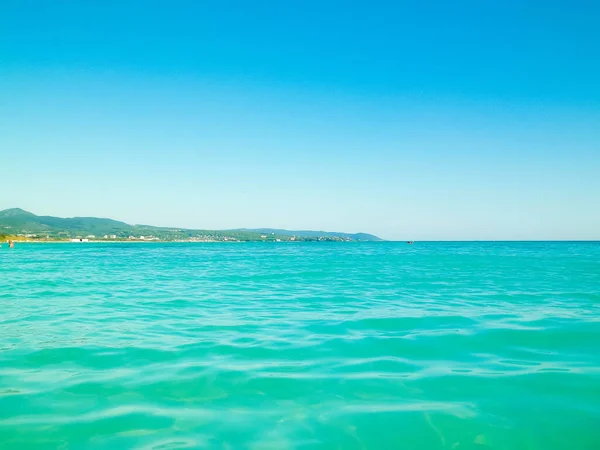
430 121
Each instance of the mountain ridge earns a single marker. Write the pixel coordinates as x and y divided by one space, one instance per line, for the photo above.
17 221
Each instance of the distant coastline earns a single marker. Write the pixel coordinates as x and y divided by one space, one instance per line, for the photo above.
50 241
23 226
125 241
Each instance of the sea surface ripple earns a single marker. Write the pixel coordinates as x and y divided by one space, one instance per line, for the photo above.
300 345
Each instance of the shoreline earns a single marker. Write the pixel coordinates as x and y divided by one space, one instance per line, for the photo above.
166 242
121 242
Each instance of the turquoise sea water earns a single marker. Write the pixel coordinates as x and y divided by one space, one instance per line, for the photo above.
300 345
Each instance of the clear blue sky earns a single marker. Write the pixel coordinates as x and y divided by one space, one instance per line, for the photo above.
411 120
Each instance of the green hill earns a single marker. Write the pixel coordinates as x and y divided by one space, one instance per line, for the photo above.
313 234
16 221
